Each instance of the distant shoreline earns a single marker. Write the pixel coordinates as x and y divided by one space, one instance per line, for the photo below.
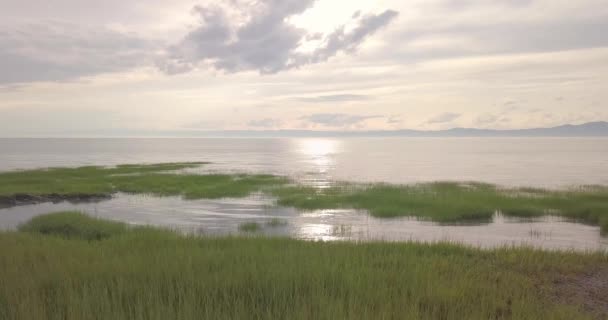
586 130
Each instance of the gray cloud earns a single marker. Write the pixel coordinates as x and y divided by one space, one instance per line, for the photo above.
444 118
265 123
54 51
337 119
335 98
340 40
266 43
488 119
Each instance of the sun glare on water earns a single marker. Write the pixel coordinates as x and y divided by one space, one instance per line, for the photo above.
319 152
318 155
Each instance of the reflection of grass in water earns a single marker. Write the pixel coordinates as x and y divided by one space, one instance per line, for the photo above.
535 233
256 227
250 227
342 231
276 223
146 273
444 202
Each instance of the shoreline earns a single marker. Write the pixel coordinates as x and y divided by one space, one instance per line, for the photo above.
23 199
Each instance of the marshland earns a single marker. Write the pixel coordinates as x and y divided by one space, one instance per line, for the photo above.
215 243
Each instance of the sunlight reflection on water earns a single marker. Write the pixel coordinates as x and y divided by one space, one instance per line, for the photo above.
320 156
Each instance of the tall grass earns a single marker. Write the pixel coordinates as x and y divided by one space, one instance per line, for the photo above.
146 273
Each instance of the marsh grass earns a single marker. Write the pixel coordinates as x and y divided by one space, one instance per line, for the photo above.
449 202
146 273
73 225
154 179
444 202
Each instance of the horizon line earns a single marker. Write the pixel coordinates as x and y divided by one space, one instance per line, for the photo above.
454 132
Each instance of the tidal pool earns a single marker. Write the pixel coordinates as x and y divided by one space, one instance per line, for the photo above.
223 217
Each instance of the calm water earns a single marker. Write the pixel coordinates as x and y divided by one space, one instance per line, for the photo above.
221 217
543 162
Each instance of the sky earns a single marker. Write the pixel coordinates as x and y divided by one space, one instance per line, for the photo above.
155 67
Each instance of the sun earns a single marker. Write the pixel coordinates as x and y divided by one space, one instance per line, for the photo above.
327 15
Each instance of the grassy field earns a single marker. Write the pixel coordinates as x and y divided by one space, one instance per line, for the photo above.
69 266
440 201
156 179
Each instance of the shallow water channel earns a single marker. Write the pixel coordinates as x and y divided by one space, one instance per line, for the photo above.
222 217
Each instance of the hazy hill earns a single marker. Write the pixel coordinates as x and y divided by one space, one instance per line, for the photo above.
591 129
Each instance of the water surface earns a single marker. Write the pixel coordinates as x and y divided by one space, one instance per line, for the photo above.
223 217
541 162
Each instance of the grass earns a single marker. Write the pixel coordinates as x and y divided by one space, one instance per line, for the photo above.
445 202
453 202
156 179
73 225
146 273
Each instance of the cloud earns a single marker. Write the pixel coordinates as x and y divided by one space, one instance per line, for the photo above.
265 123
461 28
394 119
444 118
334 98
466 4
231 36
58 51
486 119
348 41
266 42
337 119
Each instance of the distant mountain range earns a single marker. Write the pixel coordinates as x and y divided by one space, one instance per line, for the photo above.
591 129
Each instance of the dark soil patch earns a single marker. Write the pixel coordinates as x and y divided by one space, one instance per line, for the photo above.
26 199
588 289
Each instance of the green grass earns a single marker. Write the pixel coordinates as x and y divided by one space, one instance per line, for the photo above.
445 202
145 273
73 225
453 202
156 179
